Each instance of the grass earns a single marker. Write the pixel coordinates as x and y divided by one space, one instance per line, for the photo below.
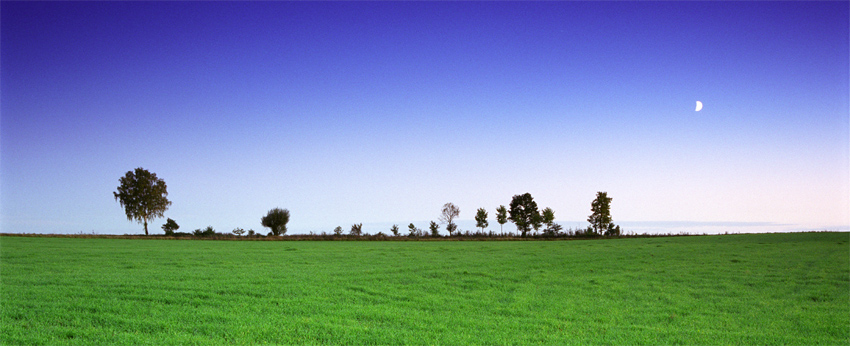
730 289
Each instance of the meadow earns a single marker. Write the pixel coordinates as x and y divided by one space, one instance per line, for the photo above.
727 289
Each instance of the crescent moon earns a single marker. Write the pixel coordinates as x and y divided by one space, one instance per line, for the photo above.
699 106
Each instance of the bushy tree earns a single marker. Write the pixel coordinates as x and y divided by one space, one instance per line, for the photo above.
394 230
338 230
238 231
276 220
142 195
524 213
356 229
481 219
600 220
502 217
449 213
548 216
435 229
552 228
206 232
170 226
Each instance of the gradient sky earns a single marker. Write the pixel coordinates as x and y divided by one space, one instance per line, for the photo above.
381 112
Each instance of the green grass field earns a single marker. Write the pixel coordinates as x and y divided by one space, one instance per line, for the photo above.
730 289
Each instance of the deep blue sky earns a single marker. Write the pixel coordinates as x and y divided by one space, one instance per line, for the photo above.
381 112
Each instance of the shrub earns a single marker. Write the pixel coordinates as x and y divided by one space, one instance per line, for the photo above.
206 232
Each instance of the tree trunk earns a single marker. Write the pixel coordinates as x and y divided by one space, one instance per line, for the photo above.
146 227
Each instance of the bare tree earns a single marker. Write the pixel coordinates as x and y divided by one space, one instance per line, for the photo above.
449 213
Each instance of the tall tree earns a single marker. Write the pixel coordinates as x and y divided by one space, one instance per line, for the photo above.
481 219
142 195
276 219
449 213
502 217
524 212
600 220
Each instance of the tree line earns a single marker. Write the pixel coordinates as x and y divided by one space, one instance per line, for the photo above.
144 197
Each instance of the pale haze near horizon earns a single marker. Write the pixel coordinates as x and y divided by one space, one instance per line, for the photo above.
379 113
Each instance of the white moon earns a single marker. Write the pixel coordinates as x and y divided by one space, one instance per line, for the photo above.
699 106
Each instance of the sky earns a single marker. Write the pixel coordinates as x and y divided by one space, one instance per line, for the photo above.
381 112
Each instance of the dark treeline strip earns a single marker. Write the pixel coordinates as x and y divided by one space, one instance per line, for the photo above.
330 237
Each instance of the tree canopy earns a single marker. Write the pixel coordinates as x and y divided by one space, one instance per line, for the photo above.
142 195
524 213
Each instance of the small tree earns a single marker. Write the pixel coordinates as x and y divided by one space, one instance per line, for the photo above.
170 226
356 229
394 230
481 219
338 230
276 220
524 213
449 213
238 231
502 217
142 195
552 228
435 229
600 220
412 230
251 233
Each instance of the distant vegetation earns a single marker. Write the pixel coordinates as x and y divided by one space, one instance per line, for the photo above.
143 197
